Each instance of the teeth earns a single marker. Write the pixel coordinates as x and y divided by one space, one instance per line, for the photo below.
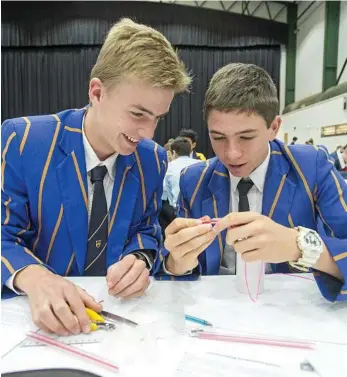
131 139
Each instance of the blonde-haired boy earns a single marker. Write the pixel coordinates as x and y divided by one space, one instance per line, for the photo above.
81 189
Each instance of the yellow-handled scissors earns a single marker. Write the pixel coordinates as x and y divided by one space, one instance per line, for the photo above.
98 321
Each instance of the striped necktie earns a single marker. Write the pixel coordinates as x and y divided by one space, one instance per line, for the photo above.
98 226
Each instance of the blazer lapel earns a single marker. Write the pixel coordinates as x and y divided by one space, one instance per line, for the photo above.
124 196
279 190
217 205
72 177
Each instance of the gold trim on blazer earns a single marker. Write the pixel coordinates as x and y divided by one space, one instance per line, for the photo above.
339 190
70 264
7 211
118 199
43 178
79 176
340 256
215 210
157 157
56 228
290 220
278 193
25 136
309 194
139 240
142 181
7 264
221 174
3 164
198 185
71 129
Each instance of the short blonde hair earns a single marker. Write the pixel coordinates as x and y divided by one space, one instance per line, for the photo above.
136 50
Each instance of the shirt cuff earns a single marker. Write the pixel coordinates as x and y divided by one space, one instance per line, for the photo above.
10 280
166 271
147 256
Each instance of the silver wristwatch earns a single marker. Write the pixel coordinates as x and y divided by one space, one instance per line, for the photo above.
311 246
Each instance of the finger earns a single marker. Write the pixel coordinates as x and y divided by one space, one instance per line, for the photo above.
116 272
89 301
179 224
192 245
247 245
46 316
191 259
130 277
63 312
251 256
235 219
75 298
138 286
241 232
139 293
186 235
205 218
43 327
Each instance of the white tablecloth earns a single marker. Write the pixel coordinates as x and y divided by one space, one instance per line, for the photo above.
290 306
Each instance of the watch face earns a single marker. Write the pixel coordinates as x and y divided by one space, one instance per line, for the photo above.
311 238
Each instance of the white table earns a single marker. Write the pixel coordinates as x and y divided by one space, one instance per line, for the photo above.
290 306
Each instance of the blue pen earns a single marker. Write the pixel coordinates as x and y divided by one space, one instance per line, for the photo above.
197 320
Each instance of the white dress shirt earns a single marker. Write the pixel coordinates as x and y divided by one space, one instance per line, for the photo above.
255 200
255 194
171 188
92 161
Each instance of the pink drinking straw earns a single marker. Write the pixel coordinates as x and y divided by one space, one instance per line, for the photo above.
48 341
253 340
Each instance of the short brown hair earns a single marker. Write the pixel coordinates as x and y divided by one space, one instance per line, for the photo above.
132 49
243 88
181 146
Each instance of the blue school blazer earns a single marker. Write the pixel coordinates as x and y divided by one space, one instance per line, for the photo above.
45 200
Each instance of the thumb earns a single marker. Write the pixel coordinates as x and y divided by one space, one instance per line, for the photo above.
118 270
89 301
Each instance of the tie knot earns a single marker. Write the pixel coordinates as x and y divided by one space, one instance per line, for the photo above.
98 173
244 186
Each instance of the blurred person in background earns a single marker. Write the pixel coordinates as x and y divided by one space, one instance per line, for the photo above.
295 139
167 148
341 161
192 137
336 151
180 152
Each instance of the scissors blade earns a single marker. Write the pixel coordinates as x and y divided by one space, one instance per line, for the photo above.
117 318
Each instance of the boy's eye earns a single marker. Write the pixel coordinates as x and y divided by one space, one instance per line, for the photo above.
135 114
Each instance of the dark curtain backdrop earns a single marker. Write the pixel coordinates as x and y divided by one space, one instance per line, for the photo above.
47 53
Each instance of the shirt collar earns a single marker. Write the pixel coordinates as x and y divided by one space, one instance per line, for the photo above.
92 160
257 176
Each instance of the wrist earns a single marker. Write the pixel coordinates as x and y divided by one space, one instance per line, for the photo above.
175 267
28 278
310 245
295 251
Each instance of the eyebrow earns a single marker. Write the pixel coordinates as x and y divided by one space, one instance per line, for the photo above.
139 107
248 131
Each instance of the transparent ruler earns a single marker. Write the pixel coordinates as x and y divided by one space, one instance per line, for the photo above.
93 337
